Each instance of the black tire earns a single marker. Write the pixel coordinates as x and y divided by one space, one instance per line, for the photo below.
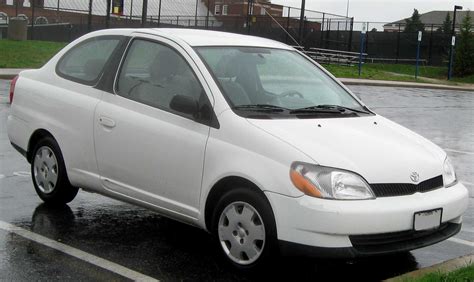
62 192
262 206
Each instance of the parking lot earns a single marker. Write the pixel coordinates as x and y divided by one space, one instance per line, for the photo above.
95 238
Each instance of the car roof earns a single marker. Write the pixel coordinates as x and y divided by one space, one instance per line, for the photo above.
199 37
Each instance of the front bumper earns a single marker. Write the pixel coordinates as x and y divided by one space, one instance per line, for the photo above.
365 227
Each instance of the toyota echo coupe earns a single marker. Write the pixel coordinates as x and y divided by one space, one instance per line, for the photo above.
242 136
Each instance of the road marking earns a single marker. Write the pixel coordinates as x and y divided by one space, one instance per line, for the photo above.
467 183
22 173
459 152
89 258
461 241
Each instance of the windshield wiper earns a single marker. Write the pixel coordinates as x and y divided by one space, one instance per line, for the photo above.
260 107
327 109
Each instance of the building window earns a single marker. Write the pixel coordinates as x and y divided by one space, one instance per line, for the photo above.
262 11
217 10
225 9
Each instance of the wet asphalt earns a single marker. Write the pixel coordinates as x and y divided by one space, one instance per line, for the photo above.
167 250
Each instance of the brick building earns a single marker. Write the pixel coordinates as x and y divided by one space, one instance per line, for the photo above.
38 3
240 8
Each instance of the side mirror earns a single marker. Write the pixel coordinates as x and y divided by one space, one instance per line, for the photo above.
184 104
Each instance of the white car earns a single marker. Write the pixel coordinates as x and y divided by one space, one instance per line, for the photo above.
242 136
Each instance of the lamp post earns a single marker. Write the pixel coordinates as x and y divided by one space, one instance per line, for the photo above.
347 9
453 40
301 30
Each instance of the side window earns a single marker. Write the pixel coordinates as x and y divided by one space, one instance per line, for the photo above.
84 63
153 74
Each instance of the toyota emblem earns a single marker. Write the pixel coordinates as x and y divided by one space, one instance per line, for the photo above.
414 176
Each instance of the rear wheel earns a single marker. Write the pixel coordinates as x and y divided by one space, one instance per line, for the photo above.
244 228
49 175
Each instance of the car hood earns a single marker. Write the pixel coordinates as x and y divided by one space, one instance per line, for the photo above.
374 147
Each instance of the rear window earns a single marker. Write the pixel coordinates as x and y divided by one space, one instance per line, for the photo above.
85 62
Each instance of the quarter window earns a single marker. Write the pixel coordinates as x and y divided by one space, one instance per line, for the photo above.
85 62
153 74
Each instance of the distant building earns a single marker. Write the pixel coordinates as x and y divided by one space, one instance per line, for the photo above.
240 8
432 21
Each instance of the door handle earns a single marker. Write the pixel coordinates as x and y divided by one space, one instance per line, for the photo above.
107 122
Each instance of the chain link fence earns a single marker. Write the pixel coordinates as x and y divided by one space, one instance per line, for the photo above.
65 20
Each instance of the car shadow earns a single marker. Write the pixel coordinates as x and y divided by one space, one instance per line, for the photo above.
169 250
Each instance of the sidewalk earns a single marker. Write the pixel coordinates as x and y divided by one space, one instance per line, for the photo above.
389 83
444 267
10 73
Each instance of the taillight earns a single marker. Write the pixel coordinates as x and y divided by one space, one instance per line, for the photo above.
12 88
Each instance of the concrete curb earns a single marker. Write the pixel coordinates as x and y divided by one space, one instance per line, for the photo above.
444 267
11 73
388 83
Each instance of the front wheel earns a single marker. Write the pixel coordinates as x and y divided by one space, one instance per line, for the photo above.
244 227
49 175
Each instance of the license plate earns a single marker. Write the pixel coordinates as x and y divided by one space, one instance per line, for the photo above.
424 220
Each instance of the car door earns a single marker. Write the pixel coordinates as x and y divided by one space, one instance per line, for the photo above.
145 149
65 103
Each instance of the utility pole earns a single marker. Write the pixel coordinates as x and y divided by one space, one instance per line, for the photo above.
249 14
208 11
196 13
107 15
144 12
159 13
453 40
89 17
303 7
347 9
418 53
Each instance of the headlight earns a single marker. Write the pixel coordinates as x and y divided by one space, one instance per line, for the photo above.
449 176
330 183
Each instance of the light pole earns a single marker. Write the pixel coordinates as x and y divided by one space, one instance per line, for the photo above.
301 30
347 9
453 40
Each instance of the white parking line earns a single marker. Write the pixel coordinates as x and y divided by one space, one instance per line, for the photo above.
97 261
467 183
22 173
459 152
461 241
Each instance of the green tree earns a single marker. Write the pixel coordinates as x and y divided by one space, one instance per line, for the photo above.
447 24
414 23
464 63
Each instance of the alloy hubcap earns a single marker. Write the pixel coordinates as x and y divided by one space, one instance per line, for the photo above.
45 169
241 233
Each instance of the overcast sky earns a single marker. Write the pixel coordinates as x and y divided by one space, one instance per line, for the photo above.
378 10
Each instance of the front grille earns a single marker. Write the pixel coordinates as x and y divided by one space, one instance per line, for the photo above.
401 189
405 240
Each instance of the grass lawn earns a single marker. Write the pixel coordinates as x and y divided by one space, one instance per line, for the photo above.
27 54
460 275
397 72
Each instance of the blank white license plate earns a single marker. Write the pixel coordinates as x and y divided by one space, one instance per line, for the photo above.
427 219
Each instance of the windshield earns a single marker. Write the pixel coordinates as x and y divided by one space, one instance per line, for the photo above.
276 82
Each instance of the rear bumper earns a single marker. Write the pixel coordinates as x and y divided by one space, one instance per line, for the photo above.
376 244
19 133
365 227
